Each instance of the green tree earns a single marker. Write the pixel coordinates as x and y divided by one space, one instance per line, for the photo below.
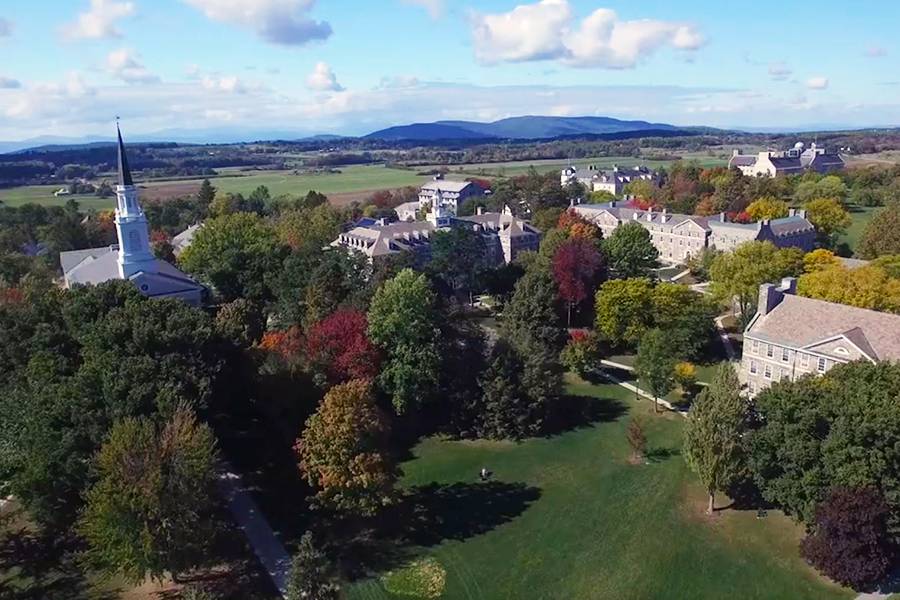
736 276
655 364
240 321
458 258
149 511
235 254
712 439
530 320
624 310
205 196
685 315
343 451
830 186
868 286
403 323
829 217
629 251
882 234
310 577
767 208
509 408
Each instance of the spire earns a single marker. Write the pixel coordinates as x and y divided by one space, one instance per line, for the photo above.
124 171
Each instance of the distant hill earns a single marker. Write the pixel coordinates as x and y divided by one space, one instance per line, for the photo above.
520 128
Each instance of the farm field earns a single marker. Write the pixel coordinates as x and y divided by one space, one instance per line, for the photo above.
571 516
352 182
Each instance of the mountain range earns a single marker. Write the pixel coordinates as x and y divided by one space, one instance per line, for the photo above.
517 128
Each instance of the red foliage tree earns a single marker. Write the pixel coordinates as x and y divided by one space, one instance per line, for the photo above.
484 184
850 541
577 269
158 235
382 199
338 349
286 344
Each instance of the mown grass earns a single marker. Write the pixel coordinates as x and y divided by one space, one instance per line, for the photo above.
595 525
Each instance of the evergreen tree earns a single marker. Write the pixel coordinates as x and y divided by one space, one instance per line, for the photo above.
205 196
510 409
310 575
715 428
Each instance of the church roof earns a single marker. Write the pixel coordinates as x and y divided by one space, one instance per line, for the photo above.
124 171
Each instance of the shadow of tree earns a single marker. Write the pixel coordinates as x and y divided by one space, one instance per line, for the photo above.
572 412
428 515
660 454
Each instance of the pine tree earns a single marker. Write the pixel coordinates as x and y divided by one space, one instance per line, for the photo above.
205 196
310 575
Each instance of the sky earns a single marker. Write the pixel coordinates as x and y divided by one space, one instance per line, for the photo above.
69 67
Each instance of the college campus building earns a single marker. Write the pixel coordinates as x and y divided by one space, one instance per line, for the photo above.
791 336
792 162
612 181
677 237
504 235
131 258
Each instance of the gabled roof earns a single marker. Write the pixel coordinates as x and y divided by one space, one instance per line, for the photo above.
805 322
743 160
71 259
446 185
789 225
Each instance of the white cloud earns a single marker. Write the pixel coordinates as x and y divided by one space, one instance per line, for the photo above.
99 21
779 71
323 79
398 81
435 8
8 83
276 21
876 51
125 65
6 27
229 83
817 83
548 30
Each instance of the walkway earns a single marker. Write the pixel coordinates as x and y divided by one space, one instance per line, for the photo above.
726 341
266 545
639 391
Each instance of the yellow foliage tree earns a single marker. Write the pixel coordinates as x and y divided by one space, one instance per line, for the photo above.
767 208
866 287
819 259
829 217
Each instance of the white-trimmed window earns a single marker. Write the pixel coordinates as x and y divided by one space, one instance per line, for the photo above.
754 347
804 360
785 355
753 368
770 350
767 371
823 364
751 387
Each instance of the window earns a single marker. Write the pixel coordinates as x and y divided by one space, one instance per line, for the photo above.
784 354
770 350
754 347
842 351
804 360
767 371
751 387
753 368
822 364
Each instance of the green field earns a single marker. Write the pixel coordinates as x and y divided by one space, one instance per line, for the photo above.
570 516
861 215
356 178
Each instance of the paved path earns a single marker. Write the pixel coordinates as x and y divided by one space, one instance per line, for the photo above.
266 545
684 273
726 341
641 392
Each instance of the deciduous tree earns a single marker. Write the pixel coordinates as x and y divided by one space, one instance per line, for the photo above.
829 217
767 208
624 310
629 251
655 364
338 349
882 234
577 268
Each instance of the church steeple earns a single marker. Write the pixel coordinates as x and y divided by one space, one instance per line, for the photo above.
124 171
131 224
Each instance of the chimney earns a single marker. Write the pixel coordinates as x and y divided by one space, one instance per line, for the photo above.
769 297
801 212
736 152
722 217
665 214
479 210
612 203
635 215
788 286
650 214
792 212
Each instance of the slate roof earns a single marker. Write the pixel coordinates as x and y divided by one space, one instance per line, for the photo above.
790 225
185 238
743 160
97 265
801 322
69 260
819 161
446 185
785 163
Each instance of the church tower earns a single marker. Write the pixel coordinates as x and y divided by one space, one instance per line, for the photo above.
438 215
131 224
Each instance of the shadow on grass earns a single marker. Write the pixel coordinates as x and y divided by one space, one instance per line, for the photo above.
660 454
427 516
573 412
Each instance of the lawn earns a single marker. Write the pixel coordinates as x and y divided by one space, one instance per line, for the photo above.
860 215
570 516
353 179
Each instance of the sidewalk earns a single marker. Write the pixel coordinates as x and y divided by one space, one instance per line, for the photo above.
265 544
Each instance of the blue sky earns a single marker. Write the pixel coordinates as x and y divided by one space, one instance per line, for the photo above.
350 66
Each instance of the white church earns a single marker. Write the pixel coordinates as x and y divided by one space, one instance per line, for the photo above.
132 258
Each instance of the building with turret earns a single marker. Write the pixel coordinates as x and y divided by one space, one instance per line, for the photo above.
131 259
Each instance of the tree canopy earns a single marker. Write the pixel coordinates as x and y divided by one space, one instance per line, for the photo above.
630 251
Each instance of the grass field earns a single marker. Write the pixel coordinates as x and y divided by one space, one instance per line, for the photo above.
356 179
861 215
570 516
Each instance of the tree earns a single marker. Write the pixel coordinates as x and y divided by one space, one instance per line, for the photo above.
655 364
240 321
712 438
509 408
623 310
310 577
829 217
577 268
458 258
849 541
737 275
149 511
582 352
530 317
205 196
685 315
830 186
337 278
767 208
338 349
818 260
868 286
637 439
342 452
685 375
840 429
311 227
881 235
235 254
403 324
630 251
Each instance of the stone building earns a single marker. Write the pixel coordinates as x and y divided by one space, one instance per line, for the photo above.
612 181
791 162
